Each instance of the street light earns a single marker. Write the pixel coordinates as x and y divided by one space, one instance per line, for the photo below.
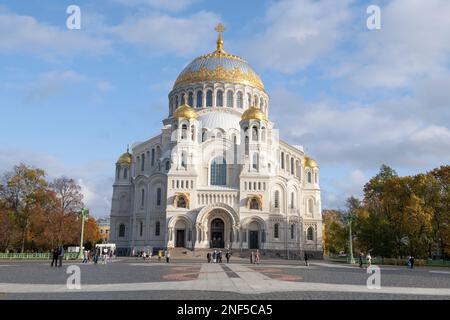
84 214
350 240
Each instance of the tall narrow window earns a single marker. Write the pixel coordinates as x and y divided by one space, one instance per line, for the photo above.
309 177
310 234
158 197
209 96
246 145
157 228
141 228
277 199
191 99
183 160
218 171
292 200
199 99
255 162
292 231
219 98
310 206
143 162
292 166
153 157
315 177
230 99
249 100
125 173
192 133
142 197
255 134
263 134
184 132
167 165
239 100
276 231
121 230
282 160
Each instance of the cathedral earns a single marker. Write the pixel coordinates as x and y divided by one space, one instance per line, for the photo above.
218 175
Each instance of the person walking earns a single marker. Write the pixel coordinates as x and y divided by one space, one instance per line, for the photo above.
167 254
360 259
55 257
220 256
208 257
85 256
369 260
306 259
227 256
257 256
252 256
411 262
61 255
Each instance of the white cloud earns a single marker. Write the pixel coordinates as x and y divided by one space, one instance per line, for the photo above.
297 33
163 33
20 33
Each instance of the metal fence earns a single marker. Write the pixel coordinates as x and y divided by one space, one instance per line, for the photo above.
392 261
35 256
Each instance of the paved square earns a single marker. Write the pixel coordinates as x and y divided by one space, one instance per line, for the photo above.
191 279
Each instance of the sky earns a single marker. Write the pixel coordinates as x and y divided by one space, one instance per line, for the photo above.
71 100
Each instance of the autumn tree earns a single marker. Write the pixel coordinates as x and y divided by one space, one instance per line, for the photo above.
335 238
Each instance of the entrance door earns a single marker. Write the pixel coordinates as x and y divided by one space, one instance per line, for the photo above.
254 243
180 239
217 234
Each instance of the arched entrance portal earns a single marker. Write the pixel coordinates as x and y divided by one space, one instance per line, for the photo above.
217 233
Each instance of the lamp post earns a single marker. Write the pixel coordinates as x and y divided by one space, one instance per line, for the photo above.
84 214
351 260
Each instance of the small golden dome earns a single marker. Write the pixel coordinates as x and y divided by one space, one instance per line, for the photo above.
185 112
310 162
125 159
254 113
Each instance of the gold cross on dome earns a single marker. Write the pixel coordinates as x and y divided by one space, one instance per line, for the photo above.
220 28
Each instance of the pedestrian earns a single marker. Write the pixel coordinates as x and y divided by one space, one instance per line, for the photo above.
55 257
369 260
257 256
360 259
208 257
168 256
411 262
144 255
214 256
306 259
220 256
159 255
227 256
61 255
85 256
251 257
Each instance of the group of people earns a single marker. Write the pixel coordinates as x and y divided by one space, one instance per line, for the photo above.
368 258
57 256
106 255
216 256
255 257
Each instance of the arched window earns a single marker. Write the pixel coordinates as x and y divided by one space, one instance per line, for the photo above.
176 102
282 160
292 200
255 101
193 133
167 165
121 230
276 201
254 133
315 177
143 162
249 100
255 161
191 99
246 145
209 98
218 171
157 228
125 173
153 157
184 132
182 101
204 135
142 197
292 166
199 99
254 204
183 160
230 99
158 197
292 231
181 202
239 100
276 231
219 98
309 177
310 206
310 234
263 134
261 104
141 228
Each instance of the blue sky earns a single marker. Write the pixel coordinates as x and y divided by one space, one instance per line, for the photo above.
71 100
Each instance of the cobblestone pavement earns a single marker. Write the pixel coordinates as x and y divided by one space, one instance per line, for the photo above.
273 279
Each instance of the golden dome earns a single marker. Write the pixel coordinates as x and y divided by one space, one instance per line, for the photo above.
185 112
125 159
310 162
219 66
254 113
